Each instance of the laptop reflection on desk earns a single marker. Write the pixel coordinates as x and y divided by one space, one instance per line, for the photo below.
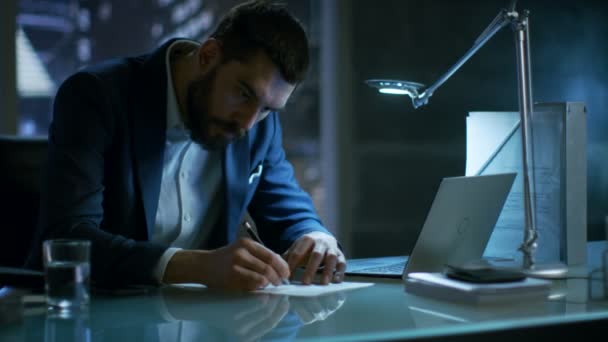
456 230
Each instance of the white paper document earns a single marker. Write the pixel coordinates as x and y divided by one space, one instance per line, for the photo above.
298 290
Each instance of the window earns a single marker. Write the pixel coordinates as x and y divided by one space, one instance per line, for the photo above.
55 38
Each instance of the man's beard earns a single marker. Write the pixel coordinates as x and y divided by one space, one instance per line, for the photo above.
199 120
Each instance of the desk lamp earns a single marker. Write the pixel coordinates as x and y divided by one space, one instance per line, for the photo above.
420 97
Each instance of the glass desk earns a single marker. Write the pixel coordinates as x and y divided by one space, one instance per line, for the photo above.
381 312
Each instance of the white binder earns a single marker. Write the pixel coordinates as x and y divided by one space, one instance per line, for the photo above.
560 175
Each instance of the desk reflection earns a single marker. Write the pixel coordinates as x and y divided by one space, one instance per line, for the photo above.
185 314
241 317
383 311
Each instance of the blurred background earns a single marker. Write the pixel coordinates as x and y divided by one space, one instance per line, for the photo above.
371 163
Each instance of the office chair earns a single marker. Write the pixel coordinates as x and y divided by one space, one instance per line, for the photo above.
21 164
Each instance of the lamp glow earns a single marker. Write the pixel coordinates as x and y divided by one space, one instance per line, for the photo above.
395 87
394 91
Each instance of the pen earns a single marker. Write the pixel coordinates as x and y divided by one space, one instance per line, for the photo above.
257 239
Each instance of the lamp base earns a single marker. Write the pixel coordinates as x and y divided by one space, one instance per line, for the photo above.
554 271
547 271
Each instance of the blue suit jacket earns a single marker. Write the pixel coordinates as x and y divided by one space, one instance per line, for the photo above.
106 145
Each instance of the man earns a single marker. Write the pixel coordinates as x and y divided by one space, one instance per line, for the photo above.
156 159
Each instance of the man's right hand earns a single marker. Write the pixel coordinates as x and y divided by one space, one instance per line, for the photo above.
244 265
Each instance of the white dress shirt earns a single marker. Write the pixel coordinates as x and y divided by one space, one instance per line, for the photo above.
191 195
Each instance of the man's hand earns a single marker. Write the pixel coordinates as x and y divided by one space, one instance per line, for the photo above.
244 265
313 249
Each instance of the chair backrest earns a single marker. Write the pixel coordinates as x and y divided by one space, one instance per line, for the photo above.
21 163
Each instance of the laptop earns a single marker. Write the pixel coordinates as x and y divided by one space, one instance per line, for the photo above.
456 230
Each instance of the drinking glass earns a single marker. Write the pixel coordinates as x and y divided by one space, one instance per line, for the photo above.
67 273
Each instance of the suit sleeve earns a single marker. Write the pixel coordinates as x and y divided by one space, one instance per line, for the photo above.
73 189
282 210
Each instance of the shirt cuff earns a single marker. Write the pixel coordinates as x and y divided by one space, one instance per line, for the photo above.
159 270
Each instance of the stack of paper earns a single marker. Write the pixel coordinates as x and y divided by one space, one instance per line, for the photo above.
438 286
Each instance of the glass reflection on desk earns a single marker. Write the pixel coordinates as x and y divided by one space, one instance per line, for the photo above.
67 326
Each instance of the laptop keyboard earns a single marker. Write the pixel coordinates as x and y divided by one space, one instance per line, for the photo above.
396 268
392 268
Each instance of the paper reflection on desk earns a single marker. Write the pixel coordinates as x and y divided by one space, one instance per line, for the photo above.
195 313
298 290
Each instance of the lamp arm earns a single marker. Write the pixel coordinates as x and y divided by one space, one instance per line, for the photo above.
524 81
502 19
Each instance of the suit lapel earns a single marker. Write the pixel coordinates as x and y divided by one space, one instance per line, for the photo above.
149 110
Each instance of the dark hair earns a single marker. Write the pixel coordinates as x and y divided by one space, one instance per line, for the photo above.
261 25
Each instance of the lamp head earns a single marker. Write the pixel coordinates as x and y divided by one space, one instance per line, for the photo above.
398 87
395 87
